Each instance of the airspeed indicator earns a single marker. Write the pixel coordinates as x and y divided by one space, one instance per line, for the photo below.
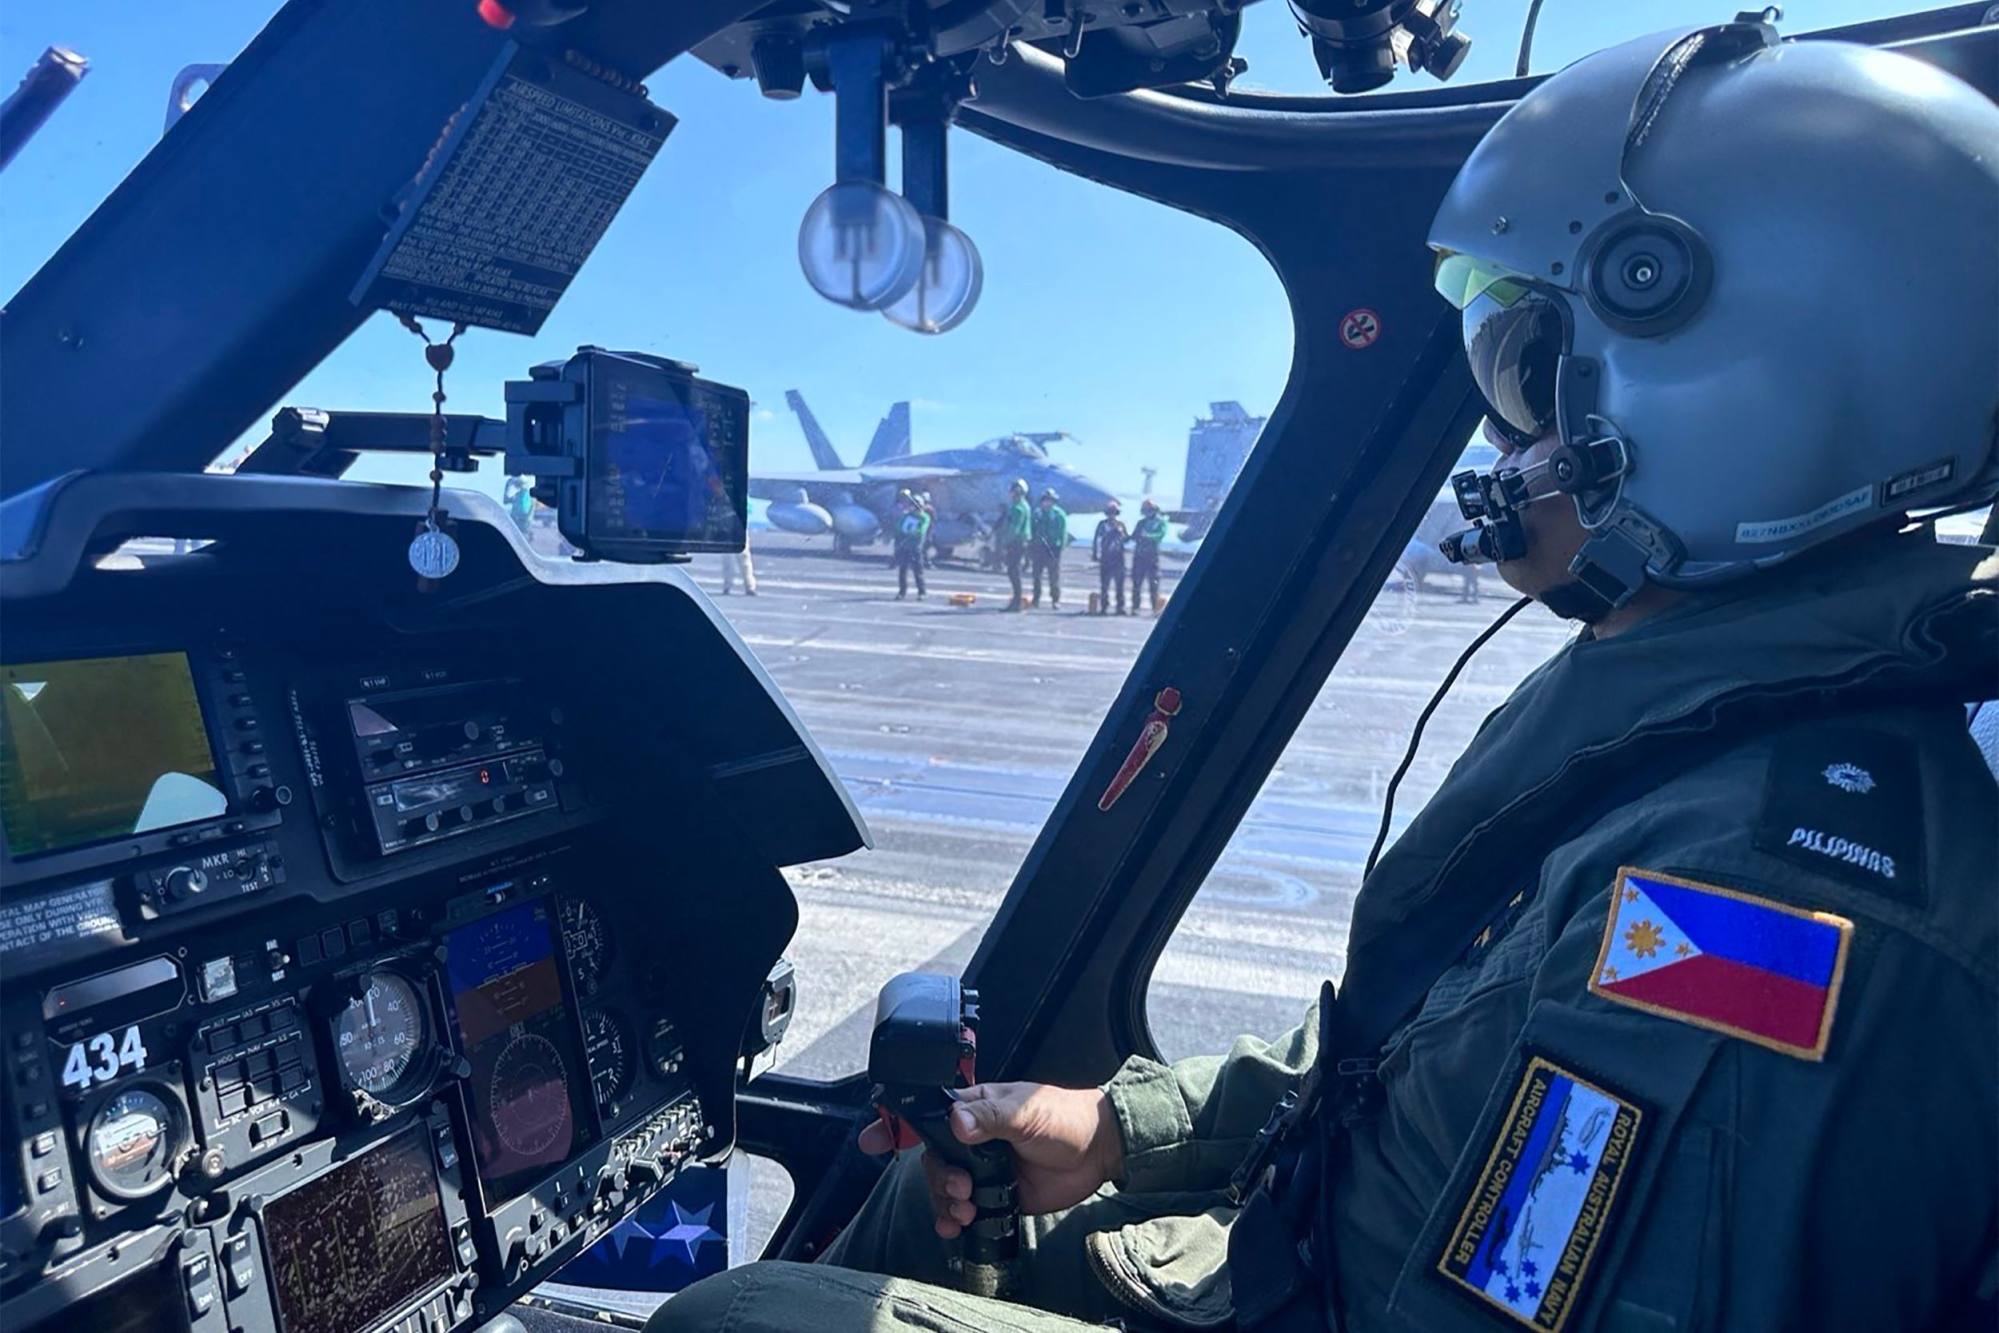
379 1035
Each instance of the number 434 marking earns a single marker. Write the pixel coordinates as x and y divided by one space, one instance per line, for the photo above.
104 1057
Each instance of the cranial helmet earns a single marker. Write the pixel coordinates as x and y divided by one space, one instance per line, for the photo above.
1149 506
1111 508
1019 486
1752 286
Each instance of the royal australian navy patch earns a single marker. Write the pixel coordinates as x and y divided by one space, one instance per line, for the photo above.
1847 802
1544 1201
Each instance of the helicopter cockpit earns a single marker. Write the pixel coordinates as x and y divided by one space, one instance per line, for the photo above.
400 896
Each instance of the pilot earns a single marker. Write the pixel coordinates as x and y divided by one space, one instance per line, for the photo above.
1675 1008
1145 539
1107 549
1051 538
1010 539
910 529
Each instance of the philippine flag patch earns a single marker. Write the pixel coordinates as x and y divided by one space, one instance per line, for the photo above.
1717 958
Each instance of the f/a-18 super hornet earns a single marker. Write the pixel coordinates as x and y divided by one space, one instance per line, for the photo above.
966 486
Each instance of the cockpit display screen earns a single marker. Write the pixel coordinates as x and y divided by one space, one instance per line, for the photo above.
349 1247
669 461
529 1084
99 748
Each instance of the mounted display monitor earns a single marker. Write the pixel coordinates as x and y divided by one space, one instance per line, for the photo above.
649 461
101 748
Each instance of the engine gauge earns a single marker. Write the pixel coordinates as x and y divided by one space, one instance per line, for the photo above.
587 943
379 1036
134 1139
609 1047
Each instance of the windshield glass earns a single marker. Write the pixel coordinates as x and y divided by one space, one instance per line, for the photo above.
954 723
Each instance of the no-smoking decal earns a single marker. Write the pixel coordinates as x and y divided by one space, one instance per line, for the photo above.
1360 328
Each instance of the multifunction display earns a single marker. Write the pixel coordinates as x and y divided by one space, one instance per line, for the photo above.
349 1247
100 748
529 1083
668 458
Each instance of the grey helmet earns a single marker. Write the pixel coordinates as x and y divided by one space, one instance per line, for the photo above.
1752 285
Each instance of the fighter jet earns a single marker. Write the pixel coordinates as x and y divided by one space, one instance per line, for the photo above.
967 486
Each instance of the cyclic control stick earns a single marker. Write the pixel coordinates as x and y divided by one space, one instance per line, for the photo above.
924 1046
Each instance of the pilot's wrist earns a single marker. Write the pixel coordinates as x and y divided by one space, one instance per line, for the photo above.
1107 1146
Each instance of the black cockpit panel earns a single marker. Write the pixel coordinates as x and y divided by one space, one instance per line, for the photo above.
372 947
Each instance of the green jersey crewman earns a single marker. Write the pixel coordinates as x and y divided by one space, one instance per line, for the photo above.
1016 530
1675 1007
1145 539
910 527
1051 538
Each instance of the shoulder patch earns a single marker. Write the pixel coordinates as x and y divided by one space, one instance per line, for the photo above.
1545 1198
1847 802
1750 967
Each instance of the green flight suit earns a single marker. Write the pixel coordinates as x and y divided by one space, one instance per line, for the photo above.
1760 1188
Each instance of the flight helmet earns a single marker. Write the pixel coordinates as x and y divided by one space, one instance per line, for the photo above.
1749 284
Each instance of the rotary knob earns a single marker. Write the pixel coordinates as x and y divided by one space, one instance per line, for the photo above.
184 882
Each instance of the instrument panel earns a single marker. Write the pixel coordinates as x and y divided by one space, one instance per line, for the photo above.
337 908
352 1095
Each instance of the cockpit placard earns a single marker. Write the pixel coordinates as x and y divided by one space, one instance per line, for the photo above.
525 181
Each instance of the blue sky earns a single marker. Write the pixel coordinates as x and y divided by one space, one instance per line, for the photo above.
1073 332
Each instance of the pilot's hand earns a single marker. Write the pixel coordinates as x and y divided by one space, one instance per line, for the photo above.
1066 1144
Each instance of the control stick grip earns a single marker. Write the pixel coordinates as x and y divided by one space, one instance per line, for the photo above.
992 1242
924 1045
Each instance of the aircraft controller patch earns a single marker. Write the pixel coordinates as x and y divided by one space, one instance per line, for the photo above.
1542 1204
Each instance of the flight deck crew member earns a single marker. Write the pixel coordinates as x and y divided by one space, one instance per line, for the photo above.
739 565
1015 530
1107 549
910 527
1051 538
1145 539
928 508
1675 1006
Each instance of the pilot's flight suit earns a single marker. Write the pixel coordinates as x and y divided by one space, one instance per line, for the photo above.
1776 777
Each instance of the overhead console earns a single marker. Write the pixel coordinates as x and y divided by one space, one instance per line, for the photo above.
369 948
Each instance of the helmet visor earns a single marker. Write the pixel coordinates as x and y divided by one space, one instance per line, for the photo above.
1461 279
1514 347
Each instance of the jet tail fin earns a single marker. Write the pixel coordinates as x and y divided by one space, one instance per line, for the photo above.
823 452
891 439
